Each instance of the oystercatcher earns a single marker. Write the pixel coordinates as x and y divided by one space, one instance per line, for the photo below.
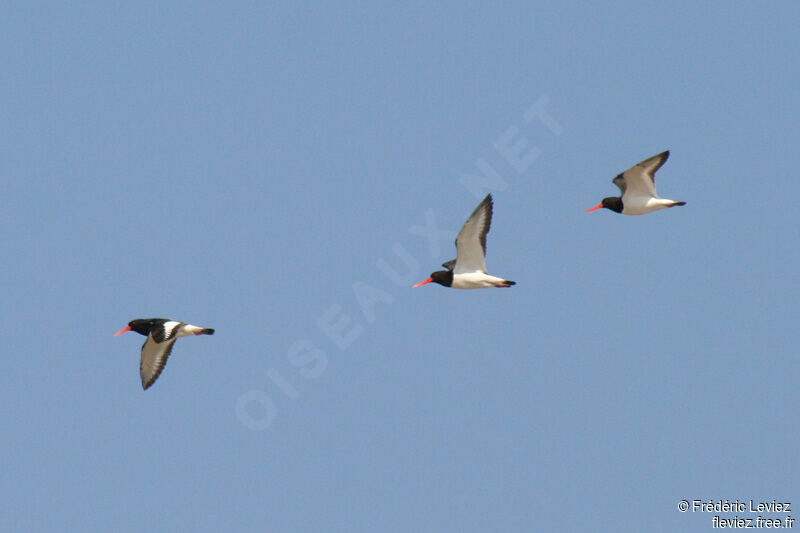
468 269
638 186
161 334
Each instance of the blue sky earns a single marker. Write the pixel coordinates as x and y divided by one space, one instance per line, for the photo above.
266 170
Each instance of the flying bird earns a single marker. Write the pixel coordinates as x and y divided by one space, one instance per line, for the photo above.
468 269
638 186
161 335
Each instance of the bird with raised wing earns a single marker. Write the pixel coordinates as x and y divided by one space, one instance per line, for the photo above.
161 335
638 187
468 269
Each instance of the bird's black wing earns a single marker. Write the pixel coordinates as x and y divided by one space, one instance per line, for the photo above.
166 331
471 240
154 358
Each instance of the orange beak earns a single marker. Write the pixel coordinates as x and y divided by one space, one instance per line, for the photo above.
421 283
123 330
593 208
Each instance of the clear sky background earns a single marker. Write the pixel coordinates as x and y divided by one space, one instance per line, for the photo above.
268 171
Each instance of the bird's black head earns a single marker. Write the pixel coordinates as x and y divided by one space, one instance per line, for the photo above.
443 277
613 202
142 326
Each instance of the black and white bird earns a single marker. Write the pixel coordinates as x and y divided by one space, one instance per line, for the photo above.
161 335
468 269
638 186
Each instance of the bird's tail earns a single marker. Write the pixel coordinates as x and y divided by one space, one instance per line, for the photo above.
676 203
